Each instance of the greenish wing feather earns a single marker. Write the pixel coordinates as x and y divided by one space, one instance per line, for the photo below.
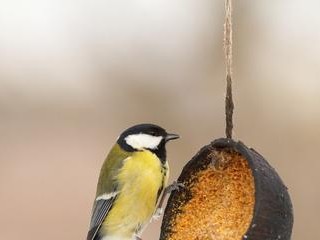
109 170
106 185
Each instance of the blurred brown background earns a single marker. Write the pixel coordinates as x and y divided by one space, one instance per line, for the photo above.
74 74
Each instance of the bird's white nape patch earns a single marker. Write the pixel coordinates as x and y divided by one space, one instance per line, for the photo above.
106 196
142 140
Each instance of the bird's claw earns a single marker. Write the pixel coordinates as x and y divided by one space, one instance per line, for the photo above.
175 186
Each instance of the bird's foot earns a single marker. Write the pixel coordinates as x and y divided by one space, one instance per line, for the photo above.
175 186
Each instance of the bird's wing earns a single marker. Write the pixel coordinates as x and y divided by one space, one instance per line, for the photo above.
100 210
107 190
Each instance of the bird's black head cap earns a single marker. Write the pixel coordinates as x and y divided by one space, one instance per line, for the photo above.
146 136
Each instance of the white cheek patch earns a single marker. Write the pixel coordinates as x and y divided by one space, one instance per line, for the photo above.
142 141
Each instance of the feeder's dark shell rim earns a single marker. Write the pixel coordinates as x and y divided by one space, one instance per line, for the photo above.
273 215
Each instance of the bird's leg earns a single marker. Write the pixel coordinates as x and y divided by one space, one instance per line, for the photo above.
172 187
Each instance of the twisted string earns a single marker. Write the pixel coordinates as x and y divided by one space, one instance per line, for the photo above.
229 106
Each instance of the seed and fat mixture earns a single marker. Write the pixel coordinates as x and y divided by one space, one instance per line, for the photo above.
222 203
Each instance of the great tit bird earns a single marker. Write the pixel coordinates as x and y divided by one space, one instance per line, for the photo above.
132 179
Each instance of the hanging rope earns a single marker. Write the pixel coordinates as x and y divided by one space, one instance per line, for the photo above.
229 106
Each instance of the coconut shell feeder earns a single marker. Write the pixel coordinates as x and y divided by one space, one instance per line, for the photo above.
230 191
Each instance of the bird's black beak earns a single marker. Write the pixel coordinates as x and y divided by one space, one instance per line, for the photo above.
171 136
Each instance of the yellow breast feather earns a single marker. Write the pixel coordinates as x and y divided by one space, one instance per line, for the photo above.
140 179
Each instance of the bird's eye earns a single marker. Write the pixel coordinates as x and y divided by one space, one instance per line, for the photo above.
152 133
